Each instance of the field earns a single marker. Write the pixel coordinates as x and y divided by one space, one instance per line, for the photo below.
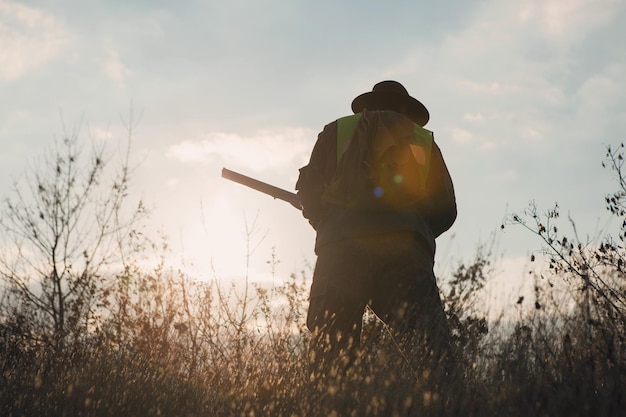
82 336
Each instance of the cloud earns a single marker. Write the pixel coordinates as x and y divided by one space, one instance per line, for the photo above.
604 91
265 150
460 136
567 20
464 137
100 133
532 133
495 88
172 182
474 117
113 67
526 70
29 38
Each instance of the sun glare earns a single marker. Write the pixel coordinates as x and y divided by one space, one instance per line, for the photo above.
212 245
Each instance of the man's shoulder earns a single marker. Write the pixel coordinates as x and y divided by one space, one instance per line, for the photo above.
333 124
330 129
349 117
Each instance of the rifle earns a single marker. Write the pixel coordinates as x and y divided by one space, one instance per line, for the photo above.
263 187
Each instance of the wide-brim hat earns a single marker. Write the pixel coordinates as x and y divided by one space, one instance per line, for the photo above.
390 94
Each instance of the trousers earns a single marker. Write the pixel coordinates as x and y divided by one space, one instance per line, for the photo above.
393 275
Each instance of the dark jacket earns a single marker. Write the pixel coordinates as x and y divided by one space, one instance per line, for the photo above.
332 222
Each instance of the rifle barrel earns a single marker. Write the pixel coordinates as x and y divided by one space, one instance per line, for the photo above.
263 187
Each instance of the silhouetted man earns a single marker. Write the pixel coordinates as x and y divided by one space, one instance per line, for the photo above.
378 193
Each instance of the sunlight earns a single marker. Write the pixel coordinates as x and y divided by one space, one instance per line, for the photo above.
212 245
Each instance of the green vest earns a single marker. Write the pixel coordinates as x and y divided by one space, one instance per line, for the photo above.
420 145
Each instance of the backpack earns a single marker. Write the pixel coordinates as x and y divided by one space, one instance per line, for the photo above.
383 161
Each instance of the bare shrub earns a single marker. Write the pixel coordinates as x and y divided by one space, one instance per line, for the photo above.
64 226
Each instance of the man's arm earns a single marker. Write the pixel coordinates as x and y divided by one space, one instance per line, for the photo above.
441 212
314 177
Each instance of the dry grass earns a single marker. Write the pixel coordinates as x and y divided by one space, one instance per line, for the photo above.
191 351
154 343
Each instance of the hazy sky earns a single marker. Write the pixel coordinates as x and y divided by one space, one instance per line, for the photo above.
523 95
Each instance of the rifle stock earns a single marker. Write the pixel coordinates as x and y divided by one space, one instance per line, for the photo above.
263 187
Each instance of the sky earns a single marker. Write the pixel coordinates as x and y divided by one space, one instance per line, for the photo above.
524 97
